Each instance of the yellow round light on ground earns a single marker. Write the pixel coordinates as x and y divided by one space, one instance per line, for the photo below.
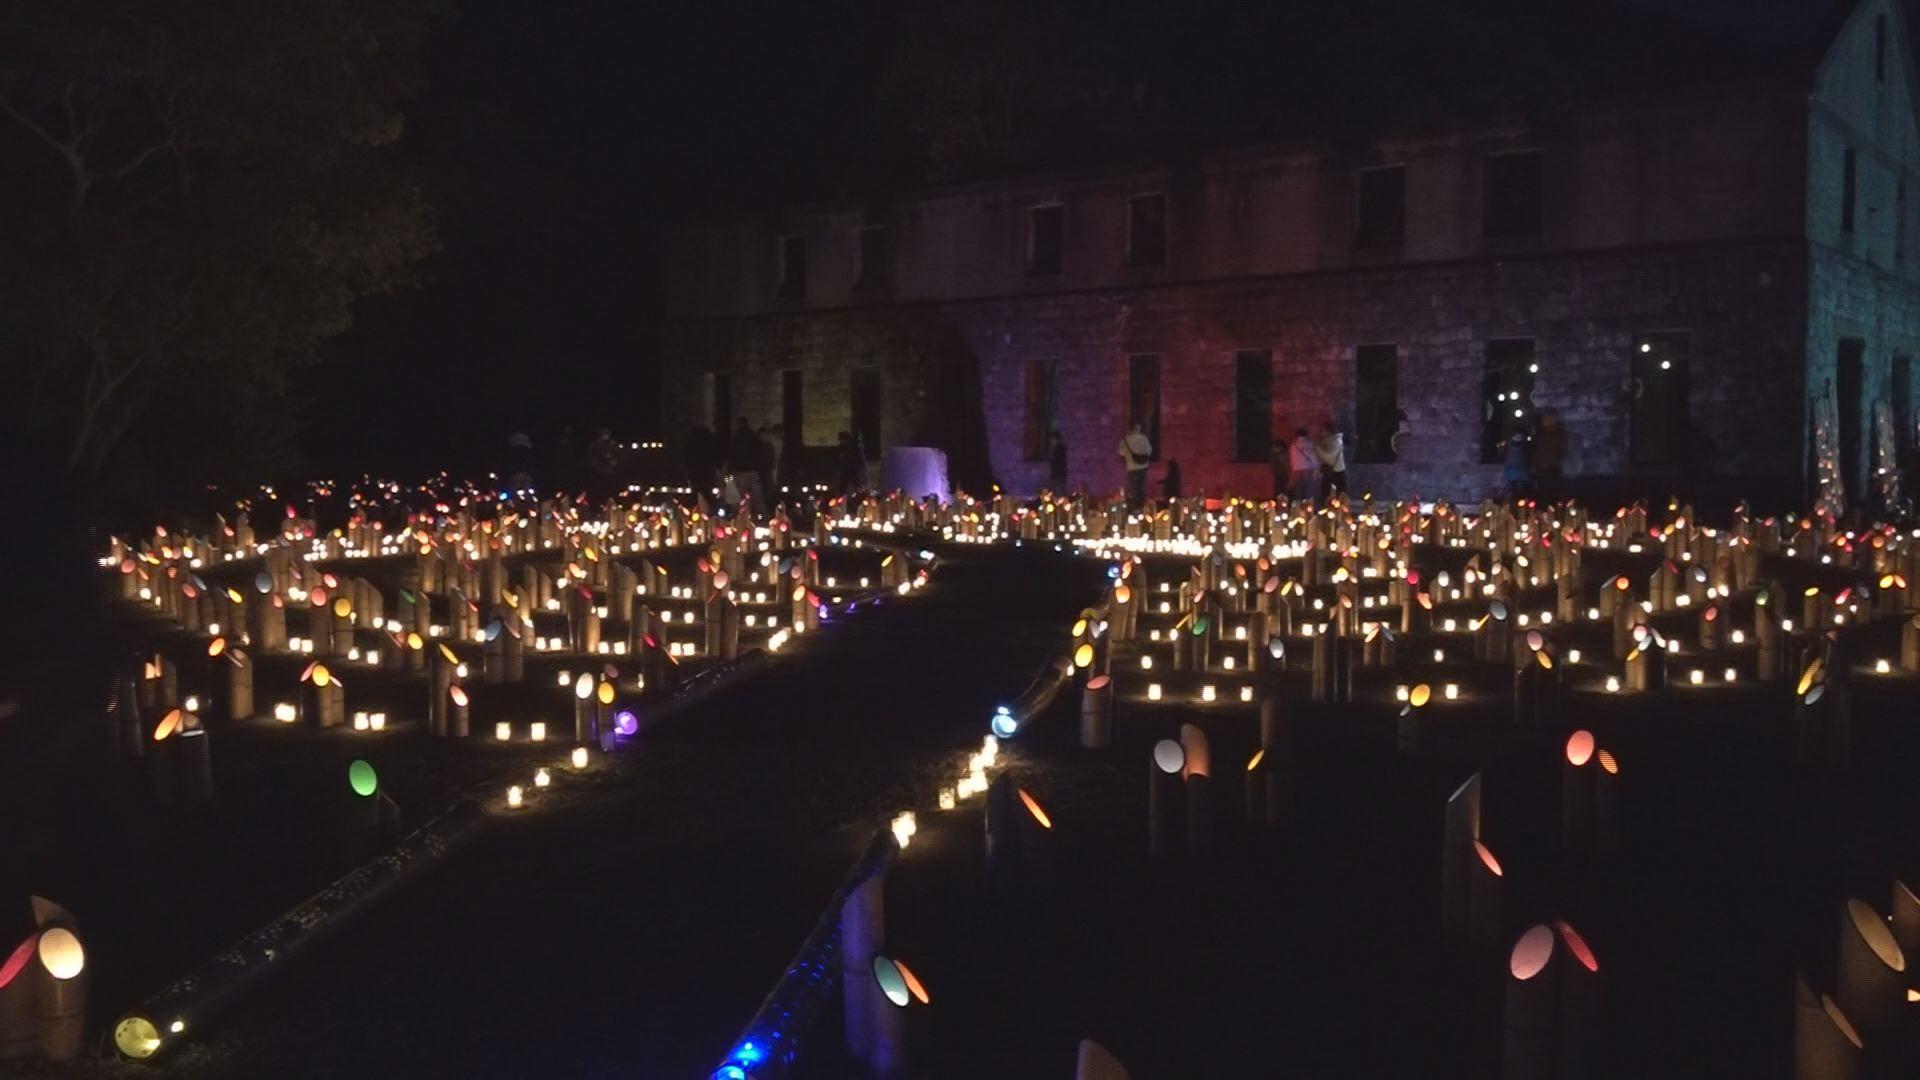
136 1037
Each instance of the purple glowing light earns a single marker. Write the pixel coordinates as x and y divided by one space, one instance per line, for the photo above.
625 723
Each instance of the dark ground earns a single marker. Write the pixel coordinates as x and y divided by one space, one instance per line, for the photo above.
633 927
634 933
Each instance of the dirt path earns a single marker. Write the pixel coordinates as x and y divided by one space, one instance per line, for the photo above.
633 936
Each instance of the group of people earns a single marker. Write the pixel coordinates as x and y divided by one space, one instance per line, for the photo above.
1306 468
749 461
750 465
1534 462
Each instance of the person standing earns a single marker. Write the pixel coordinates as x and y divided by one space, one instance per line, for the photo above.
1056 464
849 465
743 457
1136 453
1282 471
1303 467
1549 454
1514 473
1331 450
701 456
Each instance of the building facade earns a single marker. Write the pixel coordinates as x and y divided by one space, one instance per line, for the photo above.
1694 278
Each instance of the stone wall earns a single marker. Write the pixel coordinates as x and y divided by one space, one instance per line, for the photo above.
1742 303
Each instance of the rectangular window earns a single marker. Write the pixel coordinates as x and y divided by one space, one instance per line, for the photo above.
720 403
793 413
864 384
1506 395
876 258
1880 48
1902 404
1657 415
793 267
1380 207
1046 240
1900 221
1143 398
1041 404
1376 403
1252 405
1516 194
1147 230
1848 175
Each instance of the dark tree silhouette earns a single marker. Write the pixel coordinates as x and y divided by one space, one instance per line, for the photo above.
196 192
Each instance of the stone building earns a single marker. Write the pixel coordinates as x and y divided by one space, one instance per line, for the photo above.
1691 276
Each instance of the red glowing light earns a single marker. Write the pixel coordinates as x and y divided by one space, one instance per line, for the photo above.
1580 748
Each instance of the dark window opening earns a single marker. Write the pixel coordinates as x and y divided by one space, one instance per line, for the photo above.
1252 405
1900 221
1376 403
1516 194
876 258
1880 48
865 387
793 266
1046 244
1901 394
1147 230
720 403
1848 172
1041 408
1657 426
1143 398
793 414
1380 208
1506 395
1849 403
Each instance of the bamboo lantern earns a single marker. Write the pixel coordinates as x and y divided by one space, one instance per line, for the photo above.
1096 1062
863 927
1164 790
194 756
1910 643
1332 674
1196 774
513 649
1577 792
238 667
493 652
1457 855
1825 1044
1906 918
162 768
1872 983
18 981
1096 713
60 1005
1552 1006
458 717
439 682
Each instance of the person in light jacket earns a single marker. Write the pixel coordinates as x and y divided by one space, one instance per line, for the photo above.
1136 452
1303 466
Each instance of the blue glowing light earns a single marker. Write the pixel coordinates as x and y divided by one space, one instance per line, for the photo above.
1113 572
748 1054
730 1072
1004 725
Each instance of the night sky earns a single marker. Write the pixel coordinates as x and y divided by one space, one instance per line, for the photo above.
556 137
